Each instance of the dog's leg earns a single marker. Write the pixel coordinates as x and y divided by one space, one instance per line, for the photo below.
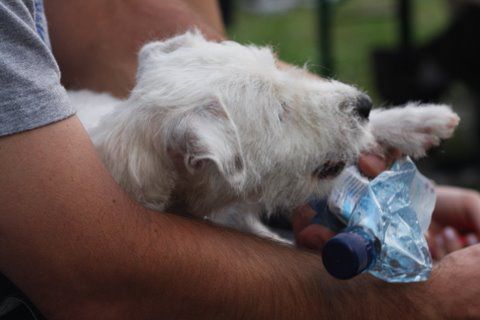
246 218
414 128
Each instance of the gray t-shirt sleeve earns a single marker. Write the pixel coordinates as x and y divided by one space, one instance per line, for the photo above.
30 91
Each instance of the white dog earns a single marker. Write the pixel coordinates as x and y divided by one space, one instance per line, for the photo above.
220 130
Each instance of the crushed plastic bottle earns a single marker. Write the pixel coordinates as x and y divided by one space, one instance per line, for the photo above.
385 220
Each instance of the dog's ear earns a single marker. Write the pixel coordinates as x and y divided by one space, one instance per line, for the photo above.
205 133
151 54
187 39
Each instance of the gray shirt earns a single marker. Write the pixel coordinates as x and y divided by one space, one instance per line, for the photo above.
30 91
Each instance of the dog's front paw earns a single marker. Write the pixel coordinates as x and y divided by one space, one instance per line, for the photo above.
414 128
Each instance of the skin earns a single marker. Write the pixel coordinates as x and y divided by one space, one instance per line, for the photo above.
459 230
99 255
455 220
96 42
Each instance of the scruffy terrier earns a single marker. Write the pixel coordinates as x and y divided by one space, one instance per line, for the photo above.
222 130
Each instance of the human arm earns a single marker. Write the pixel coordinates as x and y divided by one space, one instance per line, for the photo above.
81 249
96 41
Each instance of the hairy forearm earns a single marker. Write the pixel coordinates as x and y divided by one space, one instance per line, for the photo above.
81 249
96 41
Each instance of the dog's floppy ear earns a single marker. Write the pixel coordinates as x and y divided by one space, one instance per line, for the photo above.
187 39
206 133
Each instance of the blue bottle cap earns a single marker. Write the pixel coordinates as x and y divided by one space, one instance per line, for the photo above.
347 255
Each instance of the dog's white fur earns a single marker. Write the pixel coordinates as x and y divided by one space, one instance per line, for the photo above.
219 130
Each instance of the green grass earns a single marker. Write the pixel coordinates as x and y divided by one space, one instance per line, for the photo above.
359 26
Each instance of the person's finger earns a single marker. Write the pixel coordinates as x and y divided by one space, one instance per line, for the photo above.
435 228
471 239
440 250
372 164
429 236
472 207
314 237
393 154
302 217
459 208
452 240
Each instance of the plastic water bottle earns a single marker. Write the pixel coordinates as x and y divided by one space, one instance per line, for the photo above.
384 223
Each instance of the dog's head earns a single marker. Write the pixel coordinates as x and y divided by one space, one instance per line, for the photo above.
237 124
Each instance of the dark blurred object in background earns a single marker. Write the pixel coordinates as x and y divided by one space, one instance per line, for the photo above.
425 73
457 50
428 72
227 8
405 75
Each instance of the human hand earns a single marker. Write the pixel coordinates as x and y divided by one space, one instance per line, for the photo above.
314 236
455 221
456 217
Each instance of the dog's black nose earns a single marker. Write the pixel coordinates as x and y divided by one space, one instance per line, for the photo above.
363 106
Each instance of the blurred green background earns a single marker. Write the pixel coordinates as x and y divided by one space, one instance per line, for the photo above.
358 26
